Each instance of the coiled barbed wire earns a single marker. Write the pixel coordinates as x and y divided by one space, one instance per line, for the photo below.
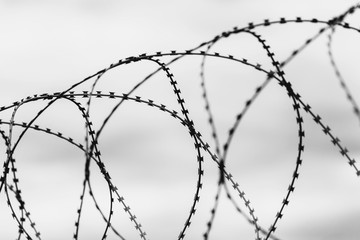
10 185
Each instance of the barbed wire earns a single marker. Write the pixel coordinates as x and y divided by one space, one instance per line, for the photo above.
9 180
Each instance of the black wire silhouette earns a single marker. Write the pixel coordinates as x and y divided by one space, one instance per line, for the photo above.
9 181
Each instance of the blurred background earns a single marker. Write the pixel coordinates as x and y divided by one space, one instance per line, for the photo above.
47 46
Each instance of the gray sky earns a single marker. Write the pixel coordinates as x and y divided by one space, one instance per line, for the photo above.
46 46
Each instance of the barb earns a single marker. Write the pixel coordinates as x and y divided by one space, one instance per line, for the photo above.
206 155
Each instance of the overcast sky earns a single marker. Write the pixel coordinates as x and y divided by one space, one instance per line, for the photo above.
46 46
